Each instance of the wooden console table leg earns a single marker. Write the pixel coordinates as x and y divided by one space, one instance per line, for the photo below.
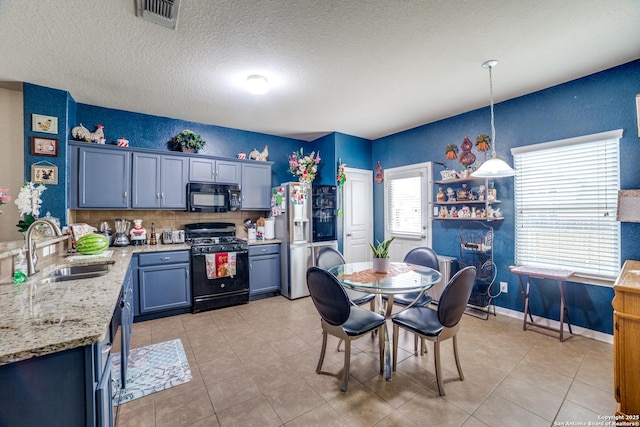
563 311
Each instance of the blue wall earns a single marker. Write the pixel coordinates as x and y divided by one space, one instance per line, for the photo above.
596 103
154 132
55 103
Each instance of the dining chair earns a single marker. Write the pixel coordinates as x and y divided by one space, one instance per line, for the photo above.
441 324
329 257
426 257
342 319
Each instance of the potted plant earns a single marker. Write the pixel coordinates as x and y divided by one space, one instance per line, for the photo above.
187 141
380 259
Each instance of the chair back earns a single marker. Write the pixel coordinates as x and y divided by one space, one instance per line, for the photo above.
328 296
329 257
426 257
455 297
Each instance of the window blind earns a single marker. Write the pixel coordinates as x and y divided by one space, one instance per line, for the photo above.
405 202
565 205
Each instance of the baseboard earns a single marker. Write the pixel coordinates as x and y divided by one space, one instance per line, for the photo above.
577 330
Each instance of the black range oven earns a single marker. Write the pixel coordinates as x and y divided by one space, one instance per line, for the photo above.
219 266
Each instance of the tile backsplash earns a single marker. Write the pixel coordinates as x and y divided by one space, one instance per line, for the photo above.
163 219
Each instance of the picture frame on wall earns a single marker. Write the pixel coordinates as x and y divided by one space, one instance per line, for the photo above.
44 174
44 146
44 124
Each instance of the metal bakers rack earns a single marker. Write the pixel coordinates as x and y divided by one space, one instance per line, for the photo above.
476 249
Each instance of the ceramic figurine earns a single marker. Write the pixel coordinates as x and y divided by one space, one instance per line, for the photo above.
481 193
81 133
264 154
463 193
138 233
491 193
451 195
441 197
242 155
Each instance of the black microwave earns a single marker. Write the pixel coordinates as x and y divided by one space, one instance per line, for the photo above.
208 197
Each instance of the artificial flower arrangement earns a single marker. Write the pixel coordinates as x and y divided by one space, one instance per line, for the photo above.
28 203
304 167
341 178
4 197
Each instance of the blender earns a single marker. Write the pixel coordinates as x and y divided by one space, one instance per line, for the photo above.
122 226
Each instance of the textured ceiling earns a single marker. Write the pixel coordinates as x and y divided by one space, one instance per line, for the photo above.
365 68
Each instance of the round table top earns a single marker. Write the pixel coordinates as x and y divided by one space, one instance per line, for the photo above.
401 278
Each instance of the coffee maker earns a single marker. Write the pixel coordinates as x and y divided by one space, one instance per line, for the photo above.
122 226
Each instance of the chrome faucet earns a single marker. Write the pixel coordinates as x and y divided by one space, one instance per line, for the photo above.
32 257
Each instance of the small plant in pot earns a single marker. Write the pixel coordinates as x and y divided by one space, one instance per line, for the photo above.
187 141
381 261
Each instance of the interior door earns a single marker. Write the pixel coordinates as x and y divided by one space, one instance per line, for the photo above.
408 208
358 214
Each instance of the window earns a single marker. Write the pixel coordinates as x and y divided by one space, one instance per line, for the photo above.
405 201
565 204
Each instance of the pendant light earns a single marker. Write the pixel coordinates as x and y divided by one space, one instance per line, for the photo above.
494 167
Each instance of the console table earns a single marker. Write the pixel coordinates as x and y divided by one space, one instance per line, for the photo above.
543 273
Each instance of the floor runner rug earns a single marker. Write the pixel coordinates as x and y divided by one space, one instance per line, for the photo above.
152 368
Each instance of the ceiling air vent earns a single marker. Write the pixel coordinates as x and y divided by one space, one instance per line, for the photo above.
161 12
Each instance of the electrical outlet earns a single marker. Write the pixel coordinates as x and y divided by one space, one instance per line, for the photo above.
504 287
45 251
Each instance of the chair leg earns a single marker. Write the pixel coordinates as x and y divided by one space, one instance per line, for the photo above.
396 330
415 345
324 348
347 363
455 354
338 347
389 306
381 347
423 347
436 357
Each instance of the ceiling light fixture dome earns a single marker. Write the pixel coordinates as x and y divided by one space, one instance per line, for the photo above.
257 84
494 167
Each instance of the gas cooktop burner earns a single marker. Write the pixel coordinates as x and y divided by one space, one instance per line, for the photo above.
210 237
209 241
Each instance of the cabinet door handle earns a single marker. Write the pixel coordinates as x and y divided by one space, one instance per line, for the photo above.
263 250
157 195
106 349
349 234
187 273
124 195
162 195
165 258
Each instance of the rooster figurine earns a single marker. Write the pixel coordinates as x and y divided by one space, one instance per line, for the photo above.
81 133
254 154
264 154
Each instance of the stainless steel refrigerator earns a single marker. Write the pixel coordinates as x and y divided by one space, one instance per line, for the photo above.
293 225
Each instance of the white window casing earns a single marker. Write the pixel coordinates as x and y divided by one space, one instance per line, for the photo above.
565 204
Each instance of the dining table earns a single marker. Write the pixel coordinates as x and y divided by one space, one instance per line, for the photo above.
401 278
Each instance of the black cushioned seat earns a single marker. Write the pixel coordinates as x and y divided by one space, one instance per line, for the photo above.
340 318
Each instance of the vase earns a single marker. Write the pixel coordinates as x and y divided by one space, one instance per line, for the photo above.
381 265
188 150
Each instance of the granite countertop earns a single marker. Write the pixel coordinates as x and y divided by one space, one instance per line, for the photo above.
264 242
43 318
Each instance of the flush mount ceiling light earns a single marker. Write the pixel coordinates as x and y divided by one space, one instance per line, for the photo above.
257 84
494 167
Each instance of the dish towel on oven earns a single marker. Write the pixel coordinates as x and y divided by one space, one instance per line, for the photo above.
221 264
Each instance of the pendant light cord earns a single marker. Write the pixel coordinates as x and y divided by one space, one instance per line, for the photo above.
493 127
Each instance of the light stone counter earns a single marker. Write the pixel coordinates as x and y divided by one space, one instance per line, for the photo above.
264 242
42 318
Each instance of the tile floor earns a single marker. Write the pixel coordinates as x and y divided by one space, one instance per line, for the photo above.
254 365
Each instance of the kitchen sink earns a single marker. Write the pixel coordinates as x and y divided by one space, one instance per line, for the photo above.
77 272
